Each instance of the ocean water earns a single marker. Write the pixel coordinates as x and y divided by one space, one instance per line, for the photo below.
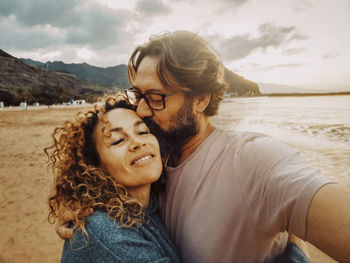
317 126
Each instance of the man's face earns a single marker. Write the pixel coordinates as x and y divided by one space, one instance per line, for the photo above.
173 125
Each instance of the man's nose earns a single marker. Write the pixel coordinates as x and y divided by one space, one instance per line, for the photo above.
143 110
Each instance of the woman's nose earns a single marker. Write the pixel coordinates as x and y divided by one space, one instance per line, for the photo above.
136 143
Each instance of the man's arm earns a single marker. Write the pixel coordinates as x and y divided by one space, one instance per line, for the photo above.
328 221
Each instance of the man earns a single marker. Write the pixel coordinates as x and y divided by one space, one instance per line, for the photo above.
230 196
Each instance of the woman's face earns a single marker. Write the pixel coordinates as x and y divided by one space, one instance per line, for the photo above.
131 154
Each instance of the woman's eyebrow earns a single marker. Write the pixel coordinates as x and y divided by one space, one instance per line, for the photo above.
138 123
116 129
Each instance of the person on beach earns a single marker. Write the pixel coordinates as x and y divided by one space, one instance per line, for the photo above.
106 160
230 195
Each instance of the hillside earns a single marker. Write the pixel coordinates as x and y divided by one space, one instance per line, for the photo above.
31 81
20 81
118 76
239 86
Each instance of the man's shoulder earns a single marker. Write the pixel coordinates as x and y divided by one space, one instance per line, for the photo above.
238 139
249 147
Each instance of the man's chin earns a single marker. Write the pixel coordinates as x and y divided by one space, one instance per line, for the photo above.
171 142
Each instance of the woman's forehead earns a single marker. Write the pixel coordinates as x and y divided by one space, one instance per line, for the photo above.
121 117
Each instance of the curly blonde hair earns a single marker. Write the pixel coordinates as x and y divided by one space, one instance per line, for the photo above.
80 183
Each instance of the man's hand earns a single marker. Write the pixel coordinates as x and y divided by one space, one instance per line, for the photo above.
66 216
328 221
300 243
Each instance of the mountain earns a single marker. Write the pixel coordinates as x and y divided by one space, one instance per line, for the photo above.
56 82
116 76
279 89
239 86
20 81
268 88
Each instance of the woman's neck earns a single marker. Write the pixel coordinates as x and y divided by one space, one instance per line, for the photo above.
141 193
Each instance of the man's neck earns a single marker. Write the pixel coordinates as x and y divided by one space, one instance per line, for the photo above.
205 129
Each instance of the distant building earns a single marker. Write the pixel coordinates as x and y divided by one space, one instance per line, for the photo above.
23 105
80 102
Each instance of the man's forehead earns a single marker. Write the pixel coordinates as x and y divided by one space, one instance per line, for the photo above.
144 89
147 79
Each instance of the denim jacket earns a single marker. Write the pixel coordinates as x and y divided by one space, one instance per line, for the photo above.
108 241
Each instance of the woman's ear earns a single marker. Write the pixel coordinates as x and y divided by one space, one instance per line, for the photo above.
201 103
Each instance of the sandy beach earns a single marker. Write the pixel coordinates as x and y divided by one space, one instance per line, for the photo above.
26 235
25 182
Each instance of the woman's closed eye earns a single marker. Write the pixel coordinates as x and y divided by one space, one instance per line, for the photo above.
143 132
118 141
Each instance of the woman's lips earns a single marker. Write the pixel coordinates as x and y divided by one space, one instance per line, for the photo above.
142 158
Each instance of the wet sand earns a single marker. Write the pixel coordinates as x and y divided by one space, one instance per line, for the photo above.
25 182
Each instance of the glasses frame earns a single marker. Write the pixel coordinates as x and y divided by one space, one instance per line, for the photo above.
143 96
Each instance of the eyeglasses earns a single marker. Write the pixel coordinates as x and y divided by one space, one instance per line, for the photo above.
156 101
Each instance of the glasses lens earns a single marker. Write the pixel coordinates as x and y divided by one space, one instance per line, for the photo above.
156 101
134 97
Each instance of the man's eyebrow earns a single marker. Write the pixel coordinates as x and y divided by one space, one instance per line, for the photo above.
151 90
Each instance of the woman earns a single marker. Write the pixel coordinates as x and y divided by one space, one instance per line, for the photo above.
106 160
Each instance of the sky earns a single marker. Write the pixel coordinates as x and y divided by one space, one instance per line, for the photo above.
300 43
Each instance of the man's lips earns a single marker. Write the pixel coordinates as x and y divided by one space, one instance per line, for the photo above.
141 158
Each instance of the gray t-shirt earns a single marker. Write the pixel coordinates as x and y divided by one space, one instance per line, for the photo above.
235 198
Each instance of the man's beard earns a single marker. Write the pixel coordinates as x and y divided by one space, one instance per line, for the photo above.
172 141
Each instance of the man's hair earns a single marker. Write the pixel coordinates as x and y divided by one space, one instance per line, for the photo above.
186 59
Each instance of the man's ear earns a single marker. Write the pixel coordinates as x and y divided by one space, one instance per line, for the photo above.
201 103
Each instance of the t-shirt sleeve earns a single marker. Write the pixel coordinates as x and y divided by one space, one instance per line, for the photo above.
281 182
109 242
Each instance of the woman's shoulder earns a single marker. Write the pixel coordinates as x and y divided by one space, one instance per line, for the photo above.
108 241
100 226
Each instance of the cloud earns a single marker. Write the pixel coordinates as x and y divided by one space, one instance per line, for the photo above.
330 55
236 2
99 27
229 6
291 65
22 38
41 12
301 5
47 25
152 8
294 51
232 2
7 7
240 46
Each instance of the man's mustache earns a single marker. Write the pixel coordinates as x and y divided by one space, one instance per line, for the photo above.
163 139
